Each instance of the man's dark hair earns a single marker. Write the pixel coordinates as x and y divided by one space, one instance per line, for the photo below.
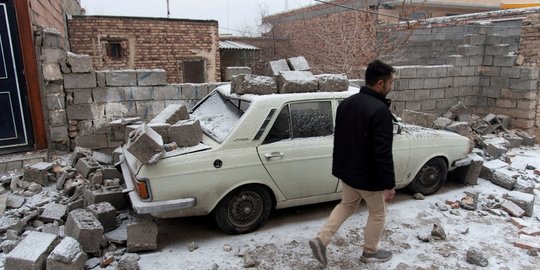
377 70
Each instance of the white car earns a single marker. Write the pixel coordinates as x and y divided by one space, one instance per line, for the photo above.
265 152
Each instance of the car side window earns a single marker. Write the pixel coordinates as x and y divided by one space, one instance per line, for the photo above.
281 129
311 119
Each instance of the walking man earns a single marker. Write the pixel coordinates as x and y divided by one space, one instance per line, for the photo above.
362 160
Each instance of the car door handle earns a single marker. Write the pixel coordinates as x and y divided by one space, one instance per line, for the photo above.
273 155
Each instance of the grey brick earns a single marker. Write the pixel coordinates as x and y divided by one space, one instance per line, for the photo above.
142 235
429 105
120 109
51 72
523 84
446 82
487 60
437 93
401 84
416 83
79 63
424 72
189 91
95 141
476 60
451 92
500 82
528 73
85 111
57 117
453 71
458 60
172 114
114 197
84 227
493 39
465 91
56 102
495 50
431 83
149 77
100 78
52 55
446 103
31 253
275 67
149 109
121 78
59 134
505 60
491 71
146 145
510 72
139 93
467 71
469 100
439 72
54 87
469 50
473 39
473 80
407 72
460 81
108 94
169 92
68 255
53 212
105 213
233 71
491 92
413 105
80 80
82 96
485 81
421 94
186 133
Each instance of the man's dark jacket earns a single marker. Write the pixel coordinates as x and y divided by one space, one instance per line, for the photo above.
363 142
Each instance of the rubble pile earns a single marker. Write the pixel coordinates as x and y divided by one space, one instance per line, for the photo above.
71 214
290 75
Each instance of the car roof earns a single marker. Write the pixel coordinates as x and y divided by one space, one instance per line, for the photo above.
279 98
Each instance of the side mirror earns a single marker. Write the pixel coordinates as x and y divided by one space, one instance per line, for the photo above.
397 128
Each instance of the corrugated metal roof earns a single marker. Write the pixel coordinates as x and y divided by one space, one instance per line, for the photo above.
235 45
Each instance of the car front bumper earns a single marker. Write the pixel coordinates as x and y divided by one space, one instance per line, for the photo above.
142 207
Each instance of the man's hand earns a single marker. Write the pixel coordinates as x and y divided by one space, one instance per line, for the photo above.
389 195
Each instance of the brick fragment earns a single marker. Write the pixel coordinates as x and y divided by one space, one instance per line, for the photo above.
527 242
523 200
530 231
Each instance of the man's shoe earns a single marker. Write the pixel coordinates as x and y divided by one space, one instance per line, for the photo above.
379 256
318 250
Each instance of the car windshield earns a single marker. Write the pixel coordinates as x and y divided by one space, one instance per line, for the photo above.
218 115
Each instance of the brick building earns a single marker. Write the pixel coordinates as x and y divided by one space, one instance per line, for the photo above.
187 49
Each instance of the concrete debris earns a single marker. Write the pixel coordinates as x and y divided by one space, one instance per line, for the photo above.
172 114
31 253
528 242
461 128
512 209
277 66
68 255
85 227
186 133
161 128
253 84
296 82
524 200
37 172
418 118
115 197
298 63
489 167
118 235
332 82
102 158
230 72
496 151
469 174
476 257
52 212
504 178
438 232
129 261
142 234
441 123
455 111
528 139
105 213
15 201
85 166
79 152
146 145
192 246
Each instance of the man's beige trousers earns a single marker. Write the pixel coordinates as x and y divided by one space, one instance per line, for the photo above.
350 200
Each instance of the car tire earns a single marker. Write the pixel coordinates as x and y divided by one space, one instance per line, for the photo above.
243 210
430 178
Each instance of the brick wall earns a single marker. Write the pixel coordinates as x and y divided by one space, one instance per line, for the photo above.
529 44
51 13
148 43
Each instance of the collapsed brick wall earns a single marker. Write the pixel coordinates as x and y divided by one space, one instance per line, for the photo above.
52 13
529 44
148 43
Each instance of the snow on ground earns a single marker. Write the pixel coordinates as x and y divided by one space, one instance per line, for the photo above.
282 241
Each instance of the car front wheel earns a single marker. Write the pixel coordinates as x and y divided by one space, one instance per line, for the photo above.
243 210
430 178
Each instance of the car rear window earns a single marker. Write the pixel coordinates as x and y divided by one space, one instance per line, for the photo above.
218 115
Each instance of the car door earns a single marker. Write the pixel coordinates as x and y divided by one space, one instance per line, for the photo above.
297 151
401 154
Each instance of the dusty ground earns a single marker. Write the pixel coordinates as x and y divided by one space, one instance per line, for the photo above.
282 242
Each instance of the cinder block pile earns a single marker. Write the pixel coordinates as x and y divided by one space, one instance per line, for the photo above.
69 214
290 75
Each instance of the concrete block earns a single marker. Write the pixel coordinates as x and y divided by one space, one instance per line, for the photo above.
85 111
146 145
186 133
504 60
100 78
79 63
230 72
189 91
163 130
406 72
504 178
525 186
31 253
418 118
15 201
82 96
493 39
491 166
524 200
171 114
114 197
52 55
298 63
108 94
95 141
497 49
142 235
77 204
512 209
105 213
68 255
528 139
85 166
501 82
51 72
528 73
446 82
296 82
121 78
528 242
37 173
469 50
151 77
110 172
51 38
145 93
520 84
441 123
514 140
469 174
461 128
431 83
491 71
510 72
332 82
416 84
474 39
277 66
85 227
253 84
487 60
455 110
53 212
496 151
56 101
80 80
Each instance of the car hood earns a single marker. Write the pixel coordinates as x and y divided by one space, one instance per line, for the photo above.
428 137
